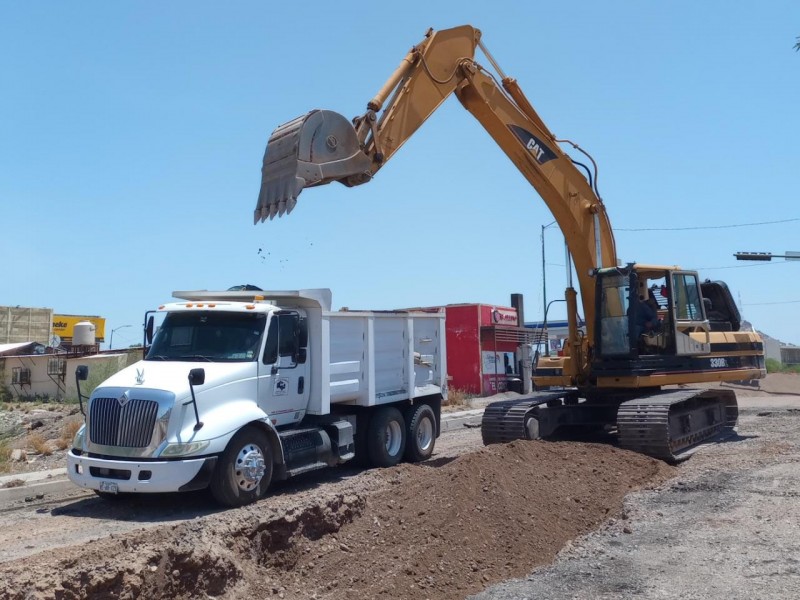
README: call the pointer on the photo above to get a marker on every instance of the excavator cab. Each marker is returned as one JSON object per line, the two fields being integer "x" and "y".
{"x": 646, "y": 311}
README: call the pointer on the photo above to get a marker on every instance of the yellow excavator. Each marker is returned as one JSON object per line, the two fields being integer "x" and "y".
{"x": 646, "y": 326}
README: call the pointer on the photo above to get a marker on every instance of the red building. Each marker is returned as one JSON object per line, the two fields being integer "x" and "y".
{"x": 482, "y": 348}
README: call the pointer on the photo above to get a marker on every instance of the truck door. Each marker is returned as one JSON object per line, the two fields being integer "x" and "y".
{"x": 282, "y": 370}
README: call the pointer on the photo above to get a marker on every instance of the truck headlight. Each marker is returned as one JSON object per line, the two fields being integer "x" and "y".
{"x": 80, "y": 436}
{"x": 182, "y": 449}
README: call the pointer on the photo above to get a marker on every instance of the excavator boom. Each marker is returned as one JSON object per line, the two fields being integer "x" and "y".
{"x": 322, "y": 146}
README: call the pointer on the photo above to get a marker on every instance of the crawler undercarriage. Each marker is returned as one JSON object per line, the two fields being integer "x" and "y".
{"x": 664, "y": 424}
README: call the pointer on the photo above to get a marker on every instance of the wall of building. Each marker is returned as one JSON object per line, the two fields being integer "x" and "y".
{"x": 19, "y": 324}
{"x": 52, "y": 376}
{"x": 772, "y": 348}
{"x": 790, "y": 355}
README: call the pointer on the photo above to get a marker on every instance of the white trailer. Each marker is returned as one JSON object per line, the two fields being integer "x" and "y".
{"x": 238, "y": 388}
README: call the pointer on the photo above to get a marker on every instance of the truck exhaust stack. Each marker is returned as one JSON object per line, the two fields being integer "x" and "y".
{"x": 316, "y": 148}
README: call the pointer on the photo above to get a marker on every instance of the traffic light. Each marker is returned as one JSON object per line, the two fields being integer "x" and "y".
{"x": 753, "y": 255}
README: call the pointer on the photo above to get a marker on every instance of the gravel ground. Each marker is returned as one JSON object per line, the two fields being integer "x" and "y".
{"x": 724, "y": 525}
{"x": 727, "y": 527}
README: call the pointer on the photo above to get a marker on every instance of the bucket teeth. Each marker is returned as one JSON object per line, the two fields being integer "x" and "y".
{"x": 314, "y": 149}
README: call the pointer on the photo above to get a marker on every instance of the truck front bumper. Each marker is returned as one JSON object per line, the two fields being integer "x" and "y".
{"x": 129, "y": 476}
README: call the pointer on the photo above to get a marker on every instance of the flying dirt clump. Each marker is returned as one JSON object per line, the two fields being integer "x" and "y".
{"x": 440, "y": 529}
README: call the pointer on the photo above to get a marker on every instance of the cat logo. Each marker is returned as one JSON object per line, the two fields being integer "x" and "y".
{"x": 540, "y": 151}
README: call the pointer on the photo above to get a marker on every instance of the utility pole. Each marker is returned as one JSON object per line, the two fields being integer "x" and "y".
{"x": 544, "y": 276}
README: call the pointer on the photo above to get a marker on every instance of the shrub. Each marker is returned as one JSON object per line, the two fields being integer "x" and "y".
{"x": 5, "y": 456}
{"x": 457, "y": 397}
{"x": 68, "y": 433}
{"x": 775, "y": 366}
{"x": 39, "y": 444}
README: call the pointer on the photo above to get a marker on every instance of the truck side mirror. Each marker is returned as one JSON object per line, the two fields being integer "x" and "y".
{"x": 197, "y": 377}
{"x": 303, "y": 332}
{"x": 149, "y": 330}
{"x": 81, "y": 374}
{"x": 301, "y": 356}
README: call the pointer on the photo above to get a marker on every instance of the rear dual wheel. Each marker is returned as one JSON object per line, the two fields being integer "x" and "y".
{"x": 390, "y": 435}
{"x": 386, "y": 437}
{"x": 420, "y": 432}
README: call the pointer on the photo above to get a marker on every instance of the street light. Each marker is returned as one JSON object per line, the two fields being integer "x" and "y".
{"x": 544, "y": 277}
{"x": 111, "y": 341}
{"x": 766, "y": 256}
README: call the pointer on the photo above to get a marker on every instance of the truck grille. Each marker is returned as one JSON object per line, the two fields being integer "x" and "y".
{"x": 128, "y": 426}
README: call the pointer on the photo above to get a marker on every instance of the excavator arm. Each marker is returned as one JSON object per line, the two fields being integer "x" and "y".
{"x": 614, "y": 375}
{"x": 322, "y": 146}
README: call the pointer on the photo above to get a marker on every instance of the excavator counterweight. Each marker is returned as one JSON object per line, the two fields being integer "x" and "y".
{"x": 317, "y": 148}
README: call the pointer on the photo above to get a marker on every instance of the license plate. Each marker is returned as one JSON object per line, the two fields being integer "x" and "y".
{"x": 109, "y": 486}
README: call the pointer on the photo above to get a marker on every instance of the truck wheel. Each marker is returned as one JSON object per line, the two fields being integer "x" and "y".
{"x": 244, "y": 470}
{"x": 386, "y": 437}
{"x": 420, "y": 433}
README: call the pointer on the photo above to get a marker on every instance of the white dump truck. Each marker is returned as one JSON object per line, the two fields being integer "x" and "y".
{"x": 239, "y": 388}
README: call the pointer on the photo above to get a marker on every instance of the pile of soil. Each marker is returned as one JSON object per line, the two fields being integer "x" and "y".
{"x": 435, "y": 530}
{"x": 774, "y": 384}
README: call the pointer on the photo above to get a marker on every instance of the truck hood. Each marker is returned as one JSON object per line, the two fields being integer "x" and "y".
{"x": 173, "y": 376}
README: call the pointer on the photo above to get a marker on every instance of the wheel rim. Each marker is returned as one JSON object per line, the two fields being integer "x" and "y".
{"x": 250, "y": 467}
{"x": 394, "y": 438}
{"x": 424, "y": 434}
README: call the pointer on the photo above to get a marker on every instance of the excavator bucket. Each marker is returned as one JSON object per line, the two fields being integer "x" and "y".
{"x": 314, "y": 149}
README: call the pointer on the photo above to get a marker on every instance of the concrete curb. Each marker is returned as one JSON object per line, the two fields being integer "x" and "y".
{"x": 39, "y": 483}
{"x": 459, "y": 420}
{"x": 34, "y": 486}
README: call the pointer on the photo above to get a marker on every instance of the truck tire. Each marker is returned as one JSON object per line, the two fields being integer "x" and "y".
{"x": 244, "y": 469}
{"x": 420, "y": 432}
{"x": 386, "y": 437}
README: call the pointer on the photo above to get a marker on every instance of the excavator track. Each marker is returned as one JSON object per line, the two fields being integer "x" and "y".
{"x": 669, "y": 424}
{"x": 666, "y": 424}
{"x": 504, "y": 421}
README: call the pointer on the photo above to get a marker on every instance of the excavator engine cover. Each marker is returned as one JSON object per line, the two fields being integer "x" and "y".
{"x": 314, "y": 149}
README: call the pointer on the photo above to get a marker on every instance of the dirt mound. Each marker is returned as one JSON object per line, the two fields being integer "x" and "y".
{"x": 438, "y": 530}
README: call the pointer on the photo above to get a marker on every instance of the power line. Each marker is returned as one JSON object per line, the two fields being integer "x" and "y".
{"x": 705, "y": 226}
{"x": 770, "y": 303}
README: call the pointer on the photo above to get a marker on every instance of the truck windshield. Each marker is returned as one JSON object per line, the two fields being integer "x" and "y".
{"x": 208, "y": 336}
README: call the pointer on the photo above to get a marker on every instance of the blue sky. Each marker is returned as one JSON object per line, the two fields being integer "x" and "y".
{"x": 132, "y": 135}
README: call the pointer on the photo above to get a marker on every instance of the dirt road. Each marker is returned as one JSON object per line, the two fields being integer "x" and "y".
{"x": 446, "y": 528}
{"x": 721, "y": 525}
{"x": 727, "y": 527}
